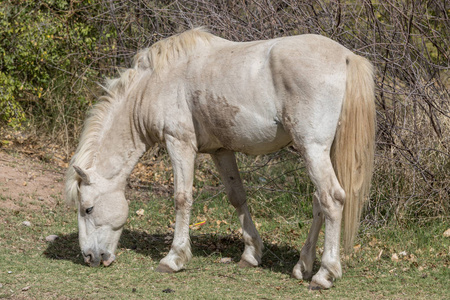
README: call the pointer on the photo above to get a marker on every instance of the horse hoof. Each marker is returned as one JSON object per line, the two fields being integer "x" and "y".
{"x": 315, "y": 286}
{"x": 245, "y": 264}
{"x": 301, "y": 276}
{"x": 297, "y": 274}
{"x": 163, "y": 268}
{"x": 307, "y": 275}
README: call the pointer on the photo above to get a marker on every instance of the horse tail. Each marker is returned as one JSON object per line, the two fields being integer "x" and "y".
{"x": 352, "y": 153}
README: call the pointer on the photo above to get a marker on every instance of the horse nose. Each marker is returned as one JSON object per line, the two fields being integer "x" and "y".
{"x": 92, "y": 258}
{"x": 108, "y": 258}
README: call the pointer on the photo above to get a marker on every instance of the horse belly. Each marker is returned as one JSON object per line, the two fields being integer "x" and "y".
{"x": 265, "y": 139}
{"x": 239, "y": 129}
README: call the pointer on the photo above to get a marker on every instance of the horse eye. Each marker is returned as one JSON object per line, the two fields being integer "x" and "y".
{"x": 89, "y": 210}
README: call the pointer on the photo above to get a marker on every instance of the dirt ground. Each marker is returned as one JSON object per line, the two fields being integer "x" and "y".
{"x": 27, "y": 181}
{"x": 32, "y": 173}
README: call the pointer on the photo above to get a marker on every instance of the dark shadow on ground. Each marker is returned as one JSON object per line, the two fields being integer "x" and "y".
{"x": 277, "y": 258}
{"x": 65, "y": 247}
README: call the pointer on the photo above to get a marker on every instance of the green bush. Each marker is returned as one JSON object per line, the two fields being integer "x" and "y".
{"x": 41, "y": 43}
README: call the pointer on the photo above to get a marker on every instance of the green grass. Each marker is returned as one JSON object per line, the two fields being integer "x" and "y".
{"x": 56, "y": 270}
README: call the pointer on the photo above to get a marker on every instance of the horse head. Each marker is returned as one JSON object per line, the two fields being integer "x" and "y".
{"x": 102, "y": 213}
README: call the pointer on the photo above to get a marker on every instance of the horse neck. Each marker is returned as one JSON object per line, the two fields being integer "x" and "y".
{"x": 120, "y": 145}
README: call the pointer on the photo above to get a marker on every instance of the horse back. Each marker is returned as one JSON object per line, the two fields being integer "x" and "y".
{"x": 242, "y": 96}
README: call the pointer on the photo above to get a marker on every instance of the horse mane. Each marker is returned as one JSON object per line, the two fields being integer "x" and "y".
{"x": 153, "y": 59}
{"x": 162, "y": 53}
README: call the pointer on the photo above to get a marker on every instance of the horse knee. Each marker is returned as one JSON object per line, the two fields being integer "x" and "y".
{"x": 183, "y": 201}
{"x": 332, "y": 202}
{"x": 237, "y": 198}
{"x": 339, "y": 195}
{"x": 237, "y": 202}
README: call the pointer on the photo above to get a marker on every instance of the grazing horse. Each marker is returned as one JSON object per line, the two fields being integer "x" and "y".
{"x": 196, "y": 92}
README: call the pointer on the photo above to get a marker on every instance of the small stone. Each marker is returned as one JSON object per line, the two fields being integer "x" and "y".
{"x": 26, "y": 223}
{"x": 140, "y": 212}
{"x": 26, "y": 288}
{"x": 41, "y": 198}
{"x": 51, "y": 238}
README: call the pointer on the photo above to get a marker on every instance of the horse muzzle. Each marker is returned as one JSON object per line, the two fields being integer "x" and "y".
{"x": 94, "y": 258}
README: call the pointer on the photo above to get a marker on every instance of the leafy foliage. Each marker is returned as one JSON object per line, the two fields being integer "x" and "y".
{"x": 42, "y": 43}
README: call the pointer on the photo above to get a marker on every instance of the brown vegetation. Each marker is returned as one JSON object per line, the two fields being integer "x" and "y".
{"x": 407, "y": 41}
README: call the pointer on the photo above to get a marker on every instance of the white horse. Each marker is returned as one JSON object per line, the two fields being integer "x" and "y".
{"x": 196, "y": 92}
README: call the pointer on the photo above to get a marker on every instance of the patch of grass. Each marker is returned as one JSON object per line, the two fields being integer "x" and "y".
{"x": 30, "y": 267}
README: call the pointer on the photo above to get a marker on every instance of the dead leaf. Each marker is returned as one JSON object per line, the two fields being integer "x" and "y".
{"x": 447, "y": 233}
{"x": 218, "y": 222}
{"x": 394, "y": 257}
{"x": 226, "y": 260}
{"x": 412, "y": 258}
{"x": 26, "y": 288}
{"x": 140, "y": 212}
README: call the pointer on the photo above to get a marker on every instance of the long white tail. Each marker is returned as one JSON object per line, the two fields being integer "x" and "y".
{"x": 353, "y": 149}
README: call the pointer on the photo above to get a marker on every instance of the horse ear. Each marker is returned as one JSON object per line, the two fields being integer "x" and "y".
{"x": 83, "y": 175}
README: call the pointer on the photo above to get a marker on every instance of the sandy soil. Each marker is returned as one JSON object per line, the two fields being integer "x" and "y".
{"x": 27, "y": 182}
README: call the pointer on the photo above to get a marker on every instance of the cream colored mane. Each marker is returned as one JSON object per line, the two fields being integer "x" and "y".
{"x": 162, "y": 53}
{"x": 159, "y": 56}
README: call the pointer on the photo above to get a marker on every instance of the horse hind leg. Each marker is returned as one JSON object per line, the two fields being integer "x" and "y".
{"x": 303, "y": 269}
{"x": 225, "y": 162}
{"x": 330, "y": 198}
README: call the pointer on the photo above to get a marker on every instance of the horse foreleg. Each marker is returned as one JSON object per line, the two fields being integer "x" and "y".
{"x": 303, "y": 269}
{"x": 182, "y": 157}
{"x": 226, "y": 164}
